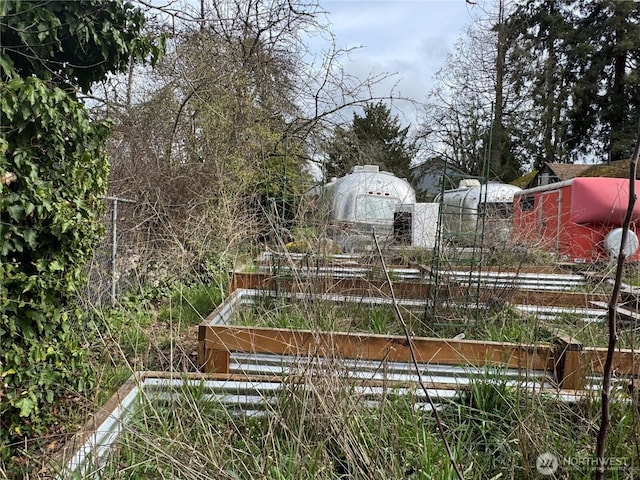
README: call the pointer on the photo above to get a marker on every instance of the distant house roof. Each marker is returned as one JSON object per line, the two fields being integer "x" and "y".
{"x": 617, "y": 169}
{"x": 558, "y": 172}
{"x": 566, "y": 171}
{"x": 525, "y": 179}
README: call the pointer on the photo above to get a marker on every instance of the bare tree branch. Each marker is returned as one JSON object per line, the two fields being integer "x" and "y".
{"x": 605, "y": 419}
{"x": 414, "y": 359}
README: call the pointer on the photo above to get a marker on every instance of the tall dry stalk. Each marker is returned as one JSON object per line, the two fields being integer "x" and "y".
{"x": 414, "y": 360}
{"x": 605, "y": 419}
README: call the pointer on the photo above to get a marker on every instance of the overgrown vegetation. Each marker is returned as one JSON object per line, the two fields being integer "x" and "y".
{"x": 494, "y": 426}
{"x": 54, "y": 169}
{"x": 214, "y": 155}
{"x": 501, "y": 323}
{"x": 322, "y": 430}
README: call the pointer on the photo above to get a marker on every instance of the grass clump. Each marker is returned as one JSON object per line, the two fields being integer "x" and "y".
{"x": 500, "y": 323}
{"x": 319, "y": 427}
{"x": 320, "y": 430}
{"x": 328, "y": 316}
{"x": 188, "y": 306}
{"x": 502, "y": 430}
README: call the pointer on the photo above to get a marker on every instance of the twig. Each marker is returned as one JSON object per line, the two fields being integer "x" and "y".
{"x": 436, "y": 415}
{"x": 605, "y": 419}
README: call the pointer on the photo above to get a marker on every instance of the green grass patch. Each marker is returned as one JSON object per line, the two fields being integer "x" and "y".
{"x": 188, "y": 306}
{"x": 495, "y": 431}
{"x": 148, "y": 332}
{"x": 505, "y": 324}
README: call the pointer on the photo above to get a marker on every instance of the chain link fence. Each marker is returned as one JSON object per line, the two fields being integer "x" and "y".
{"x": 114, "y": 263}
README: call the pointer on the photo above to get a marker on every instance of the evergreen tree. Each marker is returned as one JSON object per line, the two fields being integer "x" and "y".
{"x": 583, "y": 83}
{"x": 376, "y": 138}
{"x": 541, "y": 30}
{"x": 606, "y": 51}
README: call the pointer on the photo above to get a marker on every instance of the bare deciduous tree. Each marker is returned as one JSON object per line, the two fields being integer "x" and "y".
{"x": 475, "y": 113}
{"x": 216, "y": 143}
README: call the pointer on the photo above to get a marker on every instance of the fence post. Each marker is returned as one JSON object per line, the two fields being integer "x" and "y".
{"x": 114, "y": 242}
{"x": 114, "y": 249}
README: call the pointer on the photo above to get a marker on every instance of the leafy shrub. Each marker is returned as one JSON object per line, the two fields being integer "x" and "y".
{"x": 52, "y": 172}
{"x": 49, "y": 228}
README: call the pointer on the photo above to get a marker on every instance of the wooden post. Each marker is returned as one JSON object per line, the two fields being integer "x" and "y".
{"x": 570, "y": 367}
{"x": 213, "y": 357}
{"x": 217, "y": 361}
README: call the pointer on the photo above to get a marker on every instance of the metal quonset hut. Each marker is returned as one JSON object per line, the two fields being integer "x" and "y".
{"x": 462, "y": 209}
{"x": 579, "y": 219}
{"x": 363, "y": 200}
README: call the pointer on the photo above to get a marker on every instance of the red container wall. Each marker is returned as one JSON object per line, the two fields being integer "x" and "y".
{"x": 539, "y": 218}
{"x": 524, "y": 230}
{"x": 553, "y": 217}
{"x": 581, "y": 243}
{"x": 573, "y": 219}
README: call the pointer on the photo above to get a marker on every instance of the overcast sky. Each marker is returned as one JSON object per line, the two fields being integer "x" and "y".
{"x": 411, "y": 38}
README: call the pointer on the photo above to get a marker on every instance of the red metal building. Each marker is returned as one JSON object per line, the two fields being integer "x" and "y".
{"x": 578, "y": 219}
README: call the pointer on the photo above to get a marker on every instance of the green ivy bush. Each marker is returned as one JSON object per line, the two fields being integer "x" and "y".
{"x": 52, "y": 173}
{"x": 48, "y": 230}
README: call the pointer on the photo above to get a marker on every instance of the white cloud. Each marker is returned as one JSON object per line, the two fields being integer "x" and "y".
{"x": 411, "y": 38}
